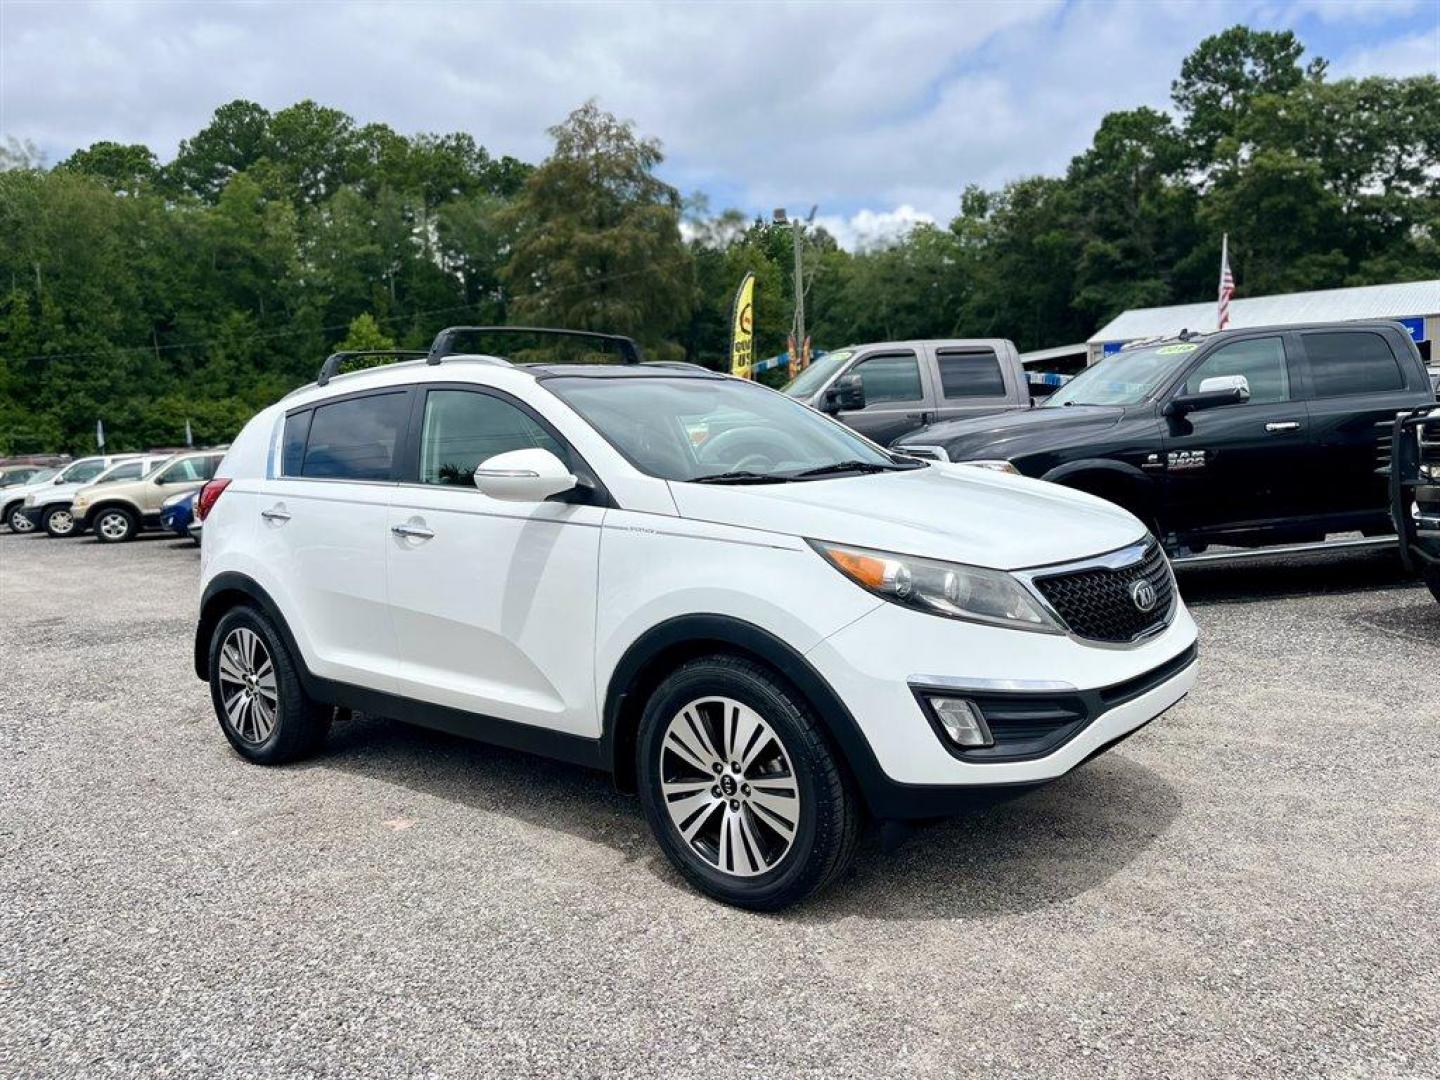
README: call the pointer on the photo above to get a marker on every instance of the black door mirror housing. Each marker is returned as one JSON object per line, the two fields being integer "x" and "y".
{"x": 1181, "y": 404}
{"x": 847, "y": 394}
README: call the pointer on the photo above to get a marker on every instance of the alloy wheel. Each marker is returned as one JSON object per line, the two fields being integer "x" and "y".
{"x": 113, "y": 525}
{"x": 729, "y": 787}
{"x": 19, "y": 522}
{"x": 60, "y": 522}
{"x": 247, "y": 685}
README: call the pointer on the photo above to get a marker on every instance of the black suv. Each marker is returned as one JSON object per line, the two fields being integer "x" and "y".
{"x": 1247, "y": 437}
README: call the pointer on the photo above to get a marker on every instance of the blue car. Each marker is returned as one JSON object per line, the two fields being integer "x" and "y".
{"x": 177, "y": 514}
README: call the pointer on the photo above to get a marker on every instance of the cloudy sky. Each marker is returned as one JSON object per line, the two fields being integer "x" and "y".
{"x": 880, "y": 113}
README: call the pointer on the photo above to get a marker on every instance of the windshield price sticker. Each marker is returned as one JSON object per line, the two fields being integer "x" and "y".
{"x": 1171, "y": 350}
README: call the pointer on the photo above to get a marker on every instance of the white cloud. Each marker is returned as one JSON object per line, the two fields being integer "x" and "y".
{"x": 869, "y": 229}
{"x": 851, "y": 106}
{"x": 1415, "y": 54}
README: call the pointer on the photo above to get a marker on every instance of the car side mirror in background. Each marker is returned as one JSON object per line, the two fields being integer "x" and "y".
{"x": 524, "y": 476}
{"x": 847, "y": 394}
{"x": 1214, "y": 392}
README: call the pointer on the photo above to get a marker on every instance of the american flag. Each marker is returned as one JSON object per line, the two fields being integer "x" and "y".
{"x": 1227, "y": 283}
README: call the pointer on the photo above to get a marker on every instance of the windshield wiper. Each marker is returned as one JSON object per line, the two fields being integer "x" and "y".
{"x": 740, "y": 476}
{"x": 852, "y": 466}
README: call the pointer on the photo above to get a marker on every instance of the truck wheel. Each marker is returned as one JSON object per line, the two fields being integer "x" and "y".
{"x": 740, "y": 786}
{"x": 114, "y": 526}
{"x": 59, "y": 522}
{"x": 1432, "y": 579}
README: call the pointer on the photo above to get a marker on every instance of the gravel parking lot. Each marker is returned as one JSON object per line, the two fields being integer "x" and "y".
{"x": 1250, "y": 886}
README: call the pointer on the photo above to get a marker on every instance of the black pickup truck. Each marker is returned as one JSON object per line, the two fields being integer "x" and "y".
{"x": 1244, "y": 437}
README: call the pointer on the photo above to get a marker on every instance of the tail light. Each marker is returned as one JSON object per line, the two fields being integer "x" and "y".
{"x": 209, "y": 496}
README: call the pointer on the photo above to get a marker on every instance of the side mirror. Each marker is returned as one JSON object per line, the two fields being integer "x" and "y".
{"x": 1226, "y": 382}
{"x": 1214, "y": 392}
{"x": 524, "y": 476}
{"x": 847, "y": 394}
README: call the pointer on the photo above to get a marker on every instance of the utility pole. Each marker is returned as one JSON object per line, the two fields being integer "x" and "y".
{"x": 797, "y": 232}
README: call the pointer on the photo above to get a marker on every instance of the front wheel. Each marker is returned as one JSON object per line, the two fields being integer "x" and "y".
{"x": 17, "y": 521}
{"x": 114, "y": 526}
{"x": 262, "y": 708}
{"x": 60, "y": 522}
{"x": 740, "y": 786}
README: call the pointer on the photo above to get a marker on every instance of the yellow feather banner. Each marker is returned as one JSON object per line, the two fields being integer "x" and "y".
{"x": 742, "y": 329}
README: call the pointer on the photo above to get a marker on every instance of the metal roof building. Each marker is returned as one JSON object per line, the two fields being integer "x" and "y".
{"x": 1416, "y": 304}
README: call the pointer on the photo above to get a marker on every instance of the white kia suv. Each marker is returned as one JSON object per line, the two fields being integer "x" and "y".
{"x": 760, "y": 621}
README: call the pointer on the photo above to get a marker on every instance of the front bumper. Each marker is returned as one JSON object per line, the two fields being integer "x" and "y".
{"x": 881, "y": 665}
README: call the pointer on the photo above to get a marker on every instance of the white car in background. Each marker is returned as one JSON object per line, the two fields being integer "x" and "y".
{"x": 71, "y": 478}
{"x": 12, "y": 499}
{"x": 759, "y": 620}
{"x": 49, "y": 507}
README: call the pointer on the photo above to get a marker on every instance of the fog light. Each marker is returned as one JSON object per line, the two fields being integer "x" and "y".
{"x": 962, "y": 721}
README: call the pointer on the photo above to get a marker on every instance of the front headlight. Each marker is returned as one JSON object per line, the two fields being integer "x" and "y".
{"x": 940, "y": 588}
{"x": 995, "y": 464}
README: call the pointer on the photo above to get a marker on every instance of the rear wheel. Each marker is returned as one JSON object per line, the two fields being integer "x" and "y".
{"x": 258, "y": 699}
{"x": 59, "y": 522}
{"x": 114, "y": 525}
{"x": 740, "y": 786}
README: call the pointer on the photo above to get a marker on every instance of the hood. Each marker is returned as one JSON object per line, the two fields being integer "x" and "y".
{"x": 956, "y": 512}
{"x": 53, "y": 492}
{"x": 1004, "y": 435}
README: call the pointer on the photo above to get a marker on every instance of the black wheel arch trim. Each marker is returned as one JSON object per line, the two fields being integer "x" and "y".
{"x": 666, "y": 644}
{"x": 93, "y": 512}
{"x": 1123, "y": 469}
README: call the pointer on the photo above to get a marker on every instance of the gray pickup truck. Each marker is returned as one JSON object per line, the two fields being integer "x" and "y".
{"x": 887, "y": 389}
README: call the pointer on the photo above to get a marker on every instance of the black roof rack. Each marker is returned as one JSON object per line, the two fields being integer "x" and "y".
{"x": 334, "y": 360}
{"x": 444, "y": 344}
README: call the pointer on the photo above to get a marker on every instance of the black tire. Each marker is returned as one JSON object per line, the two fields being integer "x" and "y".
{"x": 60, "y": 523}
{"x": 823, "y": 840}
{"x": 298, "y": 724}
{"x": 15, "y": 521}
{"x": 1431, "y": 573}
{"x": 114, "y": 525}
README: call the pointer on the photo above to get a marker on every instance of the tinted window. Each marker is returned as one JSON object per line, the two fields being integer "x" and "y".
{"x": 895, "y": 377}
{"x": 82, "y": 471}
{"x": 1260, "y": 360}
{"x": 356, "y": 439}
{"x": 297, "y": 430}
{"x": 130, "y": 471}
{"x": 970, "y": 373}
{"x": 1351, "y": 363}
{"x": 463, "y": 428}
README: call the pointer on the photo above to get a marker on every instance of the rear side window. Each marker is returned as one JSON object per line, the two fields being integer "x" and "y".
{"x": 354, "y": 439}
{"x": 1353, "y": 362}
{"x": 297, "y": 430}
{"x": 966, "y": 373}
{"x": 188, "y": 470}
{"x": 892, "y": 377}
{"x": 464, "y": 428}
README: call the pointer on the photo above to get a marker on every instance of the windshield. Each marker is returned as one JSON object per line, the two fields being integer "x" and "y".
{"x": 809, "y": 381}
{"x": 1124, "y": 378}
{"x": 717, "y": 430}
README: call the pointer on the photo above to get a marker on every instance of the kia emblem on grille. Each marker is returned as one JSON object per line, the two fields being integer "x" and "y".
{"x": 1144, "y": 595}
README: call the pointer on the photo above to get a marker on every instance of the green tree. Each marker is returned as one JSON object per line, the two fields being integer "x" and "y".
{"x": 597, "y": 235}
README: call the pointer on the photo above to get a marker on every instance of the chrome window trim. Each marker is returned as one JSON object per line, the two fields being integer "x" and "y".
{"x": 975, "y": 685}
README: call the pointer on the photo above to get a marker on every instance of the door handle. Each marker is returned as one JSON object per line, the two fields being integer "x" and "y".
{"x": 1279, "y": 427}
{"x": 923, "y": 417}
{"x": 412, "y": 532}
{"x": 275, "y": 513}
